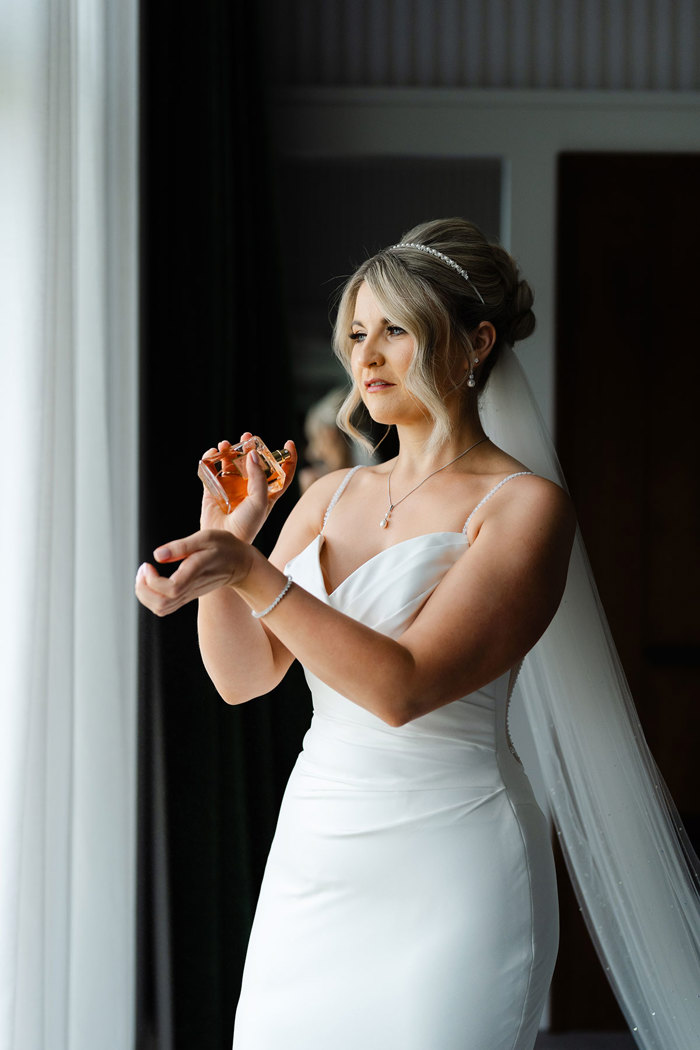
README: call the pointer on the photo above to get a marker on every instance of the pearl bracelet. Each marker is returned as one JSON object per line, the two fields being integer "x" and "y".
{"x": 278, "y": 599}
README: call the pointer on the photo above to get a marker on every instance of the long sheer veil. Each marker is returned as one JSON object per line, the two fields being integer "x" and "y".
{"x": 633, "y": 869}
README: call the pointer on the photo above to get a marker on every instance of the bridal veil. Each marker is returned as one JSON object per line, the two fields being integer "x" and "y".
{"x": 629, "y": 858}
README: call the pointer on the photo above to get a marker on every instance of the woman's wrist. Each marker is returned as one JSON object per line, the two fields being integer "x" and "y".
{"x": 261, "y": 583}
{"x": 245, "y": 561}
{"x": 246, "y": 533}
{"x": 275, "y": 601}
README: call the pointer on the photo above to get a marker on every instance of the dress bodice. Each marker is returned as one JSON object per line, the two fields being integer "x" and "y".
{"x": 386, "y": 593}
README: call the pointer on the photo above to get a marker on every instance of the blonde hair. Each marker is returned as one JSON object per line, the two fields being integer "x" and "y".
{"x": 439, "y": 308}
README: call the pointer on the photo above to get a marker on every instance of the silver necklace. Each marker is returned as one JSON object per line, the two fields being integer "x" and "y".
{"x": 385, "y": 520}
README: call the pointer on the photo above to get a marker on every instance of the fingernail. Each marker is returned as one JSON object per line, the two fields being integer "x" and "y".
{"x": 161, "y": 553}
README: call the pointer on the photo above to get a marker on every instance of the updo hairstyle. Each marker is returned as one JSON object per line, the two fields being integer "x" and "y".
{"x": 439, "y": 308}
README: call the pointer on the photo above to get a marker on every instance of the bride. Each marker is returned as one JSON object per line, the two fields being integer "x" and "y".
{"x": 409, "y": 898}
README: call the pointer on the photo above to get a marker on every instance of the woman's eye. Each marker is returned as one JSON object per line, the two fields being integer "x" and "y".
{"x": 394, "y": 329}
{"x": 357, "y": 336}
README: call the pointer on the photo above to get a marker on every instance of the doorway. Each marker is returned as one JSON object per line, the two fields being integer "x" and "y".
{"x": 628, "y": 383}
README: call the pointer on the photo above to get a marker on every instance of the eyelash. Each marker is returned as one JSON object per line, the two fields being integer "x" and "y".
{"x": 392, "y": 329}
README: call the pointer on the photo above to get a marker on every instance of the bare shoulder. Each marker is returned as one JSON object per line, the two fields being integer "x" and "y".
{"x": 315, "y": 500}
{"x": 503, "y": 591}
{"x": 527, "y": 506}
{"x": 306, "y": 518}
{"x": 517, "y": 560}
{"x": 534, "y": 492}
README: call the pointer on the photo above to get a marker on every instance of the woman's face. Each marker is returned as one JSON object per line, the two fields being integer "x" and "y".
{"x": 381, "y": 357}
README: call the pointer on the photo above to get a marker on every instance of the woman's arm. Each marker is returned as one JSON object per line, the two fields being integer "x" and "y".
{"x": 482, "y": 618}
{"x": 243, "y": 658}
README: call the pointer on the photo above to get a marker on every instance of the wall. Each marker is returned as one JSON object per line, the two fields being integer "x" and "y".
{"x": 551, "y": 44}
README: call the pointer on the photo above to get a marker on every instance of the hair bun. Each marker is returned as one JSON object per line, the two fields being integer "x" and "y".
{"x": 513, "y": 298}
{"x": 523, "y": 319}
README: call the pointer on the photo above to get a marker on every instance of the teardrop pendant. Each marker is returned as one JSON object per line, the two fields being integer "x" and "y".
{"x": 385, "y": 520}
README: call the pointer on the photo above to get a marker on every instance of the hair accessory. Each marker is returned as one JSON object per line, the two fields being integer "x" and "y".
{"x": 445, "y": 258}
{"x": 278, "y": 599}
{"x": 385, "y": 520}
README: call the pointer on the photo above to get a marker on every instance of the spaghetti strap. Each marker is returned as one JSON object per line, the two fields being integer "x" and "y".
{"x": 339, "y": 492}
{"x": 494, "y": 490}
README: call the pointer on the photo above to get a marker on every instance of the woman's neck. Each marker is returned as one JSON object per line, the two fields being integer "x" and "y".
{"x": 415, "y": 458}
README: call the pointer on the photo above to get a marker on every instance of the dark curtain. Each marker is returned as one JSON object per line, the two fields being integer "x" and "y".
{"x": 212, "y": 364}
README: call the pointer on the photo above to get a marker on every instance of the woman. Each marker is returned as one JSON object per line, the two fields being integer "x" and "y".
{"x": 327, "y": 448}
{"x": 409, "y": 898}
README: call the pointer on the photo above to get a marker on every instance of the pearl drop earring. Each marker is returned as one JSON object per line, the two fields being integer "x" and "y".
{"x": 471, "y": 381}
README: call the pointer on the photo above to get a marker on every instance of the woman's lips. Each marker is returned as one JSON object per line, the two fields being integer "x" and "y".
{"x": 377, "y": 384}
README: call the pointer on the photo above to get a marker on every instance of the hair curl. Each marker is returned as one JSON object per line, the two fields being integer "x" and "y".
{"x": 439, "y": 308}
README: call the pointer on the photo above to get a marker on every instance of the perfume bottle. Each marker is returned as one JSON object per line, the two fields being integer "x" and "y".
{"x": 224, "y": 472}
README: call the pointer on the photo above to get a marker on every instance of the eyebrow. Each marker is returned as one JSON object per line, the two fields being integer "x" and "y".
{"x": 384, "y": 320}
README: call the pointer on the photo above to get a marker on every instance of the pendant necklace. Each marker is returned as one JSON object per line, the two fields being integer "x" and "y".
{"x": 385, "y": 520}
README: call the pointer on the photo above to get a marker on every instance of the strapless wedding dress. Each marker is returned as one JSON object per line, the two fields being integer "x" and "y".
{"x": 409, "y": 900}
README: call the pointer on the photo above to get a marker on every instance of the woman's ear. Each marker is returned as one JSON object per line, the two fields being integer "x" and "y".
{"x": 481, "y": 343}
{"x": 483, "y": 339}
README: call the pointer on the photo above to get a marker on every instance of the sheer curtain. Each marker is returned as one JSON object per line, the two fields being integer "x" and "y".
{"x": 68, "y": 526}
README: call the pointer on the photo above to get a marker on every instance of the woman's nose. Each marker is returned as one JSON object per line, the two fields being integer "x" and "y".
{"x": 369, "y": 351}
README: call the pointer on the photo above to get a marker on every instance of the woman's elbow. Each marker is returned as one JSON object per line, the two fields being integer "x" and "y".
{"x": 235, "y": 693}
{"x": 233, "y": 697}
{"x": 398, "y": 712}
{"x": 395, "y": 719}
{"x": 403, "y": 710}
{"x": 235, "y": 689}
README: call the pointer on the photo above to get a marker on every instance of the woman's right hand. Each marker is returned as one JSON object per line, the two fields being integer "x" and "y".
{"x": 247, "y": 518}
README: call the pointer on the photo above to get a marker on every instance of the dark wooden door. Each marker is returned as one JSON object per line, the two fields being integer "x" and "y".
{"x": 628, "y": 422}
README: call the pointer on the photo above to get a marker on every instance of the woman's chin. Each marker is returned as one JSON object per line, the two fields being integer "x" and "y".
{"x": 377, "y": 415}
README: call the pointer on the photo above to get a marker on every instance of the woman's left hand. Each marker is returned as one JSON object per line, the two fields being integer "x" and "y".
{"x": 211, "y": 558}
{"x": 248, "y": 516}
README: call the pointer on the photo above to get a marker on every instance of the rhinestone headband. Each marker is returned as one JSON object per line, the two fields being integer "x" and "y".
{"x": 445, "y": 258}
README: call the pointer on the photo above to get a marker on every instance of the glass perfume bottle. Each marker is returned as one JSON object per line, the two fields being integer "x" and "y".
{"x": 225, "y": 476}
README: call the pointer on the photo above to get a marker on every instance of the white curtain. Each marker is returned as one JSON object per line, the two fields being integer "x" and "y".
{"x": 68, "y": 523}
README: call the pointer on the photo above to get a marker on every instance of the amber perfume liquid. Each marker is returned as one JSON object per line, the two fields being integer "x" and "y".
{"x": 225, "y": 476}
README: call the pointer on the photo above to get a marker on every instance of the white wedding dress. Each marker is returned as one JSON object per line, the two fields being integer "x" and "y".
{"x": 409, "y": 900}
